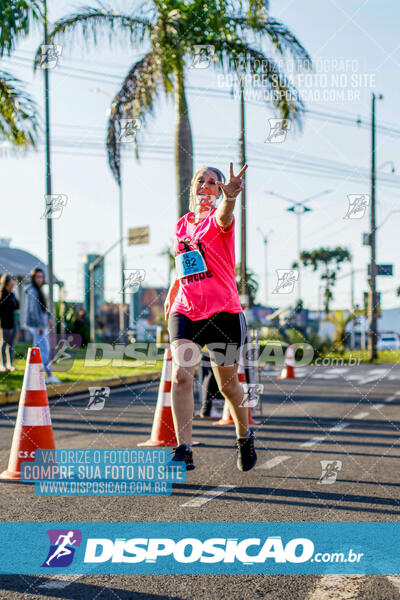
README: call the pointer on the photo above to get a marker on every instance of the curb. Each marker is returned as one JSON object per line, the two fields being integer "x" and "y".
{"x": 69, "y": 389}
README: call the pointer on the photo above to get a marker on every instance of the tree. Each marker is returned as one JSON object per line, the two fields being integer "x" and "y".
{"x": 171, "y": 29}
{"x": 340, "y": 319}
{"x": 252, "y": 284}
{"x": 171, "y": 260}
{"x": 18, "y": 111}
{"x": 329, "y": 260}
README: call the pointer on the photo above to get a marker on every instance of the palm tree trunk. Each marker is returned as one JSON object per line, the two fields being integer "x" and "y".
{"x": 183, "y": 146}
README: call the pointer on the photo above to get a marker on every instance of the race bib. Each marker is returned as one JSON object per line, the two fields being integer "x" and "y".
{"x": 189, "y": 263}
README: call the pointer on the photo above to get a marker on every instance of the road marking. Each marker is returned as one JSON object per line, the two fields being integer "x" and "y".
{"x": 71, "y": 397}
{"x": 61, "y": 582}
{"x": 332, "y": 587}
{"x": 389, "y": 399}
{"x": 313, "y": 441}
{"x": 377, "y": 406}
{"x": 339, "y": 426}
{"x": 208, "y": 495}
{"x": 320, "y": 438}
{"x": 361, "y": 415}
{"x": 395, "y": 580}
{"x": 270, "y": 464}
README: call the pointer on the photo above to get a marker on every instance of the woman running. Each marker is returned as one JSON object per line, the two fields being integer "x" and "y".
{"x": 203, "y": 308}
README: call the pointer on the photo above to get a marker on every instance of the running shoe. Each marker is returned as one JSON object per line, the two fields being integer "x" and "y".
{"x": 183, "y": 454}
{"x": 247, "y": 456}
{"x": 53, "y": 379}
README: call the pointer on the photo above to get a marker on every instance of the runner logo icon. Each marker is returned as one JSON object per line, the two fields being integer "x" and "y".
{"x": 63, "y": 543}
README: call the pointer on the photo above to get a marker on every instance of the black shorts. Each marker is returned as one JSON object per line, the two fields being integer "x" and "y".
{"x": 224, "y": 334}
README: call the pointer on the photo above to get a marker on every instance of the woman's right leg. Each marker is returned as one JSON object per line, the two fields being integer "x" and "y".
{"x": 185, "y": 356}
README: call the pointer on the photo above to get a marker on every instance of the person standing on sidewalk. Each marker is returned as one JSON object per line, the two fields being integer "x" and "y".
{"x": 37, "y": 319}
{"x": 8, "y": 327}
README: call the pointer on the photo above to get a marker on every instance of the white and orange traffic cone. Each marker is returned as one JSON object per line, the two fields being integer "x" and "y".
{"x": 163, "y": 431}
{"x": 288, "y": 371}
{"x": 33, "y": 429}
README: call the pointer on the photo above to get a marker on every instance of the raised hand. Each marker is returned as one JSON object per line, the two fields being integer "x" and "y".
{"x": 235, "y": 184}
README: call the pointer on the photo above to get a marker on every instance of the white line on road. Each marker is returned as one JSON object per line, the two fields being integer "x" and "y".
{"x": 333, "y": 587}
{"x": 317, "y": 439}
{"x": 395, "y": 580}
{"x": 377, "y": 406}
{"x": 361, "y": 415}
{"x": 312, "y": 442}
{"x": 208, "y": 495}
{"x": 389, "y": 399}
{"x": 339, "y": 427}
{"x": 61, "y": 582}
{"x": 274, "y": 462}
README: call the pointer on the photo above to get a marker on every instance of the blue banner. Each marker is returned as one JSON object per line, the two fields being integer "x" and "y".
{"x": 208, "y": 548}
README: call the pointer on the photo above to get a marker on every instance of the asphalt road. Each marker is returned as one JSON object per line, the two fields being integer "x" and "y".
{"x": 341, "y": 414}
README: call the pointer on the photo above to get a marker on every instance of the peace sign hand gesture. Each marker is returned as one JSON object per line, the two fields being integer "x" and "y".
{"x": 235, "y": 184}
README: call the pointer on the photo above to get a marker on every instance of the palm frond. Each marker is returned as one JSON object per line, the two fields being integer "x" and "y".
{"x": 18, "y": 120}
{"x": 284, "y": 95}
{"x": 283, "y": 40}
{"x": 96, "y": 23}
{"x": 135, "y": 100}
{"x": 16, "y": 17}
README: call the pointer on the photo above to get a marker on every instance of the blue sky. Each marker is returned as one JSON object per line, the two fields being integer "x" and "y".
{"x": 352, "y": 38}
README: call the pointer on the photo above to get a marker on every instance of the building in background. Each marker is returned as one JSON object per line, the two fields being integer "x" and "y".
{"x": 146, "y": 312}
{"x": 98, "y": 283}
{"x": 19, "y": 263}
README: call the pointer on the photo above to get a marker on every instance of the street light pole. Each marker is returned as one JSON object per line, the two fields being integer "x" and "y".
{"x": 372, "y": 331}
{"x": 92, "y": 267}
{"x": 299, "y": 208}
{"x": 121, "y": 254}
{"x": 242, "y": 145}
{"x": 48, "y": 213}
{"x": 299, "y": 213}
{"x": 97, "y": 90}
{"x": 265, "y": 240}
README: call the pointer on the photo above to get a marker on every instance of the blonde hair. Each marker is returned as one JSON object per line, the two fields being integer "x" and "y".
{"x": 192, "y": 193}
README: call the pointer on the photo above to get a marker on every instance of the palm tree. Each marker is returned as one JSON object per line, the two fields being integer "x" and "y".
{"x": 18, "y": 120}
{"x": 252, "y": 284}
{"x": 340, "y": 319}
{"x": 329, "y": 261}
{"x": 170, "y": 29}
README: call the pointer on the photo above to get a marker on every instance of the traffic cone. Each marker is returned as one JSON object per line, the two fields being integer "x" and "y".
{"x": 163, "y": 431}
{"x": 33, "y": 428}
{"x": 288, "y": 369}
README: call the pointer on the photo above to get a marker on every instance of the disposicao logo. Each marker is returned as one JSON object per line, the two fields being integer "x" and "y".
{"x": 190, "y": 550}
{"x": 63, "y": 543}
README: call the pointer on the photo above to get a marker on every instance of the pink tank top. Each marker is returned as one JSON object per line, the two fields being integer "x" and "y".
{"x": 203, "y": 294}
